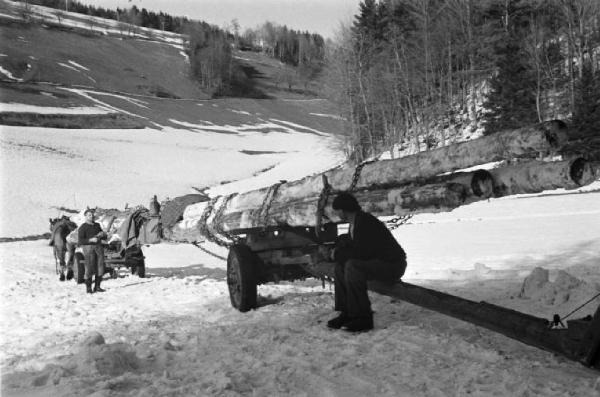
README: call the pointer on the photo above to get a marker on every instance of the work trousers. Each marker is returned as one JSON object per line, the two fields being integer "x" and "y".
{"x": 94, "y": 260}
{"x": 351, "y": 278}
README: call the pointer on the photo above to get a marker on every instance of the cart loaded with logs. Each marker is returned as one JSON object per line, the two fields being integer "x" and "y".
{"x": 284, "y": 231}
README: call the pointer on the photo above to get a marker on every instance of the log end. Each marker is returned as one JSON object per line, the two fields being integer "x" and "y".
{"x": 582, "y": 172}
{"x": 555, "y": 132}
{"x": 482, "y": 184}
{"x": 596, "y": 169}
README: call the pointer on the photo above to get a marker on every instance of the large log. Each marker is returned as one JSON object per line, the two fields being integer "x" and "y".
{"x": 391, "y": 187}
{"x": 302, "y": 212}
{"x": 537, "y": 176}
{"x": 527, "y": 142}
{"x": 442, "y": 193}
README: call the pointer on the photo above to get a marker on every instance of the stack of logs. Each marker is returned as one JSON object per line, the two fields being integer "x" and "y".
{"x": 424, "y": 182}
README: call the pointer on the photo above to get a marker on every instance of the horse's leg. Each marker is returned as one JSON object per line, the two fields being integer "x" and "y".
{"x": 60, "y": 249}
{"x": 70, "y": 259}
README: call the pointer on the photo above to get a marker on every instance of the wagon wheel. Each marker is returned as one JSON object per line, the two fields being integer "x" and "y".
{"x": 134, "y": 259}
{"x": 241, "y": 277}
{"x": 79, "y": 267}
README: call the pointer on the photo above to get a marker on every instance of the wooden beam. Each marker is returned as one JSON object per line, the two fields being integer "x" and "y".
{"x": 525, "y": 328}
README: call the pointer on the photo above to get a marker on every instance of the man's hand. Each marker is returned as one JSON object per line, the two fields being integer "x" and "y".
{"x": 93, "y": 240}
{"x": 326, "y": 252}
{"x": 332, "y": 254}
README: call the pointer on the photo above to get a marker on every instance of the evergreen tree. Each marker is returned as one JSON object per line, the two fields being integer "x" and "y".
{"x": 511, "y": 102}
{"x": 586, "y": 118}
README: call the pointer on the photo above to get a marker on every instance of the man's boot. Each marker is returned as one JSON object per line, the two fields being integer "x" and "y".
{"x": 70, "y": 274}
{"x": 339, "y": 321}
{"x": 62, "y": 276}
{"x": 97, "y": 281}
{"x": 88, "y": 285}
{"x": 359, "y": 324}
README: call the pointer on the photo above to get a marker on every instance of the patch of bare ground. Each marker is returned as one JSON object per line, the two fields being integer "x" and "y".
{"x": 110, "y": 120}
{"x": 44, "y": 236}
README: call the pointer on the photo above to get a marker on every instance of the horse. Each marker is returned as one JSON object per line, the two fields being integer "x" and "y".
{"x": 60, "y": 228}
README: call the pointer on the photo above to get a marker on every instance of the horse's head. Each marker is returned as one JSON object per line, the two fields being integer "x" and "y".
{"x": 53, "y": 222}
{"x": 61, "y": 222}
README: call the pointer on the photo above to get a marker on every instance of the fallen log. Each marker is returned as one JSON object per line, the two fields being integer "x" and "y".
{"x": 225, "y": 214}
{"x": 527, "y": 142}
{"x": 302, "y": 212}
{"x": 444, "y": 194}
{"x": 392, "y": 187}
{"x": 537, "y": 176}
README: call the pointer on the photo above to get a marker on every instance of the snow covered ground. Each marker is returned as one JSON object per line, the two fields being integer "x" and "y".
{"x": 175, "y": 333}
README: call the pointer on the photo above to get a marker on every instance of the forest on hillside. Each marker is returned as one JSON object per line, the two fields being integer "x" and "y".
{"x": 210, "y": 47}
{"x": 212, "y": 63}
{"x": 406, "y": 68}
{"x": 132, "y": 15}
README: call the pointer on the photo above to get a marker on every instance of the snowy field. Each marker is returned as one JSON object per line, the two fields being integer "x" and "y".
{"x": 175, "y": 333}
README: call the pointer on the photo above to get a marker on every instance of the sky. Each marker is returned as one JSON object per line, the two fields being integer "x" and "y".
{"x": 319, "y": 16}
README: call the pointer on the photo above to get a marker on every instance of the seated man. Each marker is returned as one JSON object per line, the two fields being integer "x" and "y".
{"x": 368, "y": 252}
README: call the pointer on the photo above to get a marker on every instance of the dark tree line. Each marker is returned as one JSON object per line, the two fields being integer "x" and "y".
{"x": 133, "y": 15}
{"x": 405, "y": 66}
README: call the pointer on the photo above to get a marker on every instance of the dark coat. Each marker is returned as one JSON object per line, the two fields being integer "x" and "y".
{"x": 371, "y": 240}
{"x": 87, "y": 231}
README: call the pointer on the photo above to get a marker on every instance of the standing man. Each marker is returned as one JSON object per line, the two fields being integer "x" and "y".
{"x": 368, "y": 252}
{"x": 90, "y": 236}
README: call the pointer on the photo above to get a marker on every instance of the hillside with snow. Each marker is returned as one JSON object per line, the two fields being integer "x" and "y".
{"x": 175, "y": 333}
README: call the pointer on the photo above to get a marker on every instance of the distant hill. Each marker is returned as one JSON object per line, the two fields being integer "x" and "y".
{"x": 52, "y": 58}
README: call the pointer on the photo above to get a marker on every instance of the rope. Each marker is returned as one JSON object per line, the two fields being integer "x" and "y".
{"x": 195, "y": 244}
{"x": 203, "y": 224}
{"x": 263, "y": 213}
{"x": 580, "y": 307}
{"x": 218, "y": 224}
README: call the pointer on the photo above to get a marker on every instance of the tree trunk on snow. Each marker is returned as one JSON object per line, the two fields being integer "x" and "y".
{"x": 537, "y": 176}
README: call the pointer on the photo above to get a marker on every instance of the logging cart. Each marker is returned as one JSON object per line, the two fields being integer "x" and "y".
{"x": 283, "y": 232}
{"x": 292, "y": 253}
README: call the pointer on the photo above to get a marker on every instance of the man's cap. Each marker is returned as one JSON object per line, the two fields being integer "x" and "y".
{"x": 88, "y": 210}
